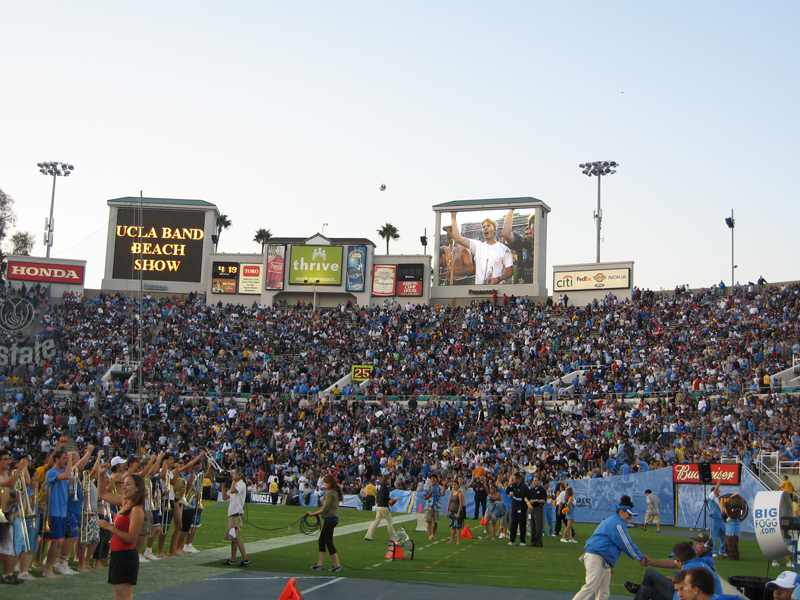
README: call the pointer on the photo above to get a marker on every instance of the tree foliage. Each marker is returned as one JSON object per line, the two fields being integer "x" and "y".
{"x": 389, "y": 232}
{"x": 223, "y": 222}
{"x": 263, "y": 236}
{"x": 8, "y": 218}
{"x": 22, "y": 243}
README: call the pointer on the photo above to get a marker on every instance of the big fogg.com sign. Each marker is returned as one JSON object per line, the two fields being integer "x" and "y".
{"x": 168, "y": 246}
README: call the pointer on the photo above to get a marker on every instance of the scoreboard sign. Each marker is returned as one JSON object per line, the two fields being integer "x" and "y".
{"x": 167, "y": 245}
{"x": 361, "y": 373}
{"x": 224, "y": 276}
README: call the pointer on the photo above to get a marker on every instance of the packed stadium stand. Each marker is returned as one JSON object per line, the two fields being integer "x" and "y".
{"x": 578, "y": 391}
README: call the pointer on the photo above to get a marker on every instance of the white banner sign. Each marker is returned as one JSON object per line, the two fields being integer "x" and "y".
{"x": 598, "y": 279}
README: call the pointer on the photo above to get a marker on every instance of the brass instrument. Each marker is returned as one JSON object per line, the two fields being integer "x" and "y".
{"x": 24, "y": 510}
{"x": 155, "y": 497}
{"x": 73, "y": 483}
{"x": 180, "y": 491}
{"x": 2, "y": 515}
{"x": 197, "y": 494}
{"x": 44, "y": 507}
{"x": 165, "y": 507}
{"x": 86, "y": 509}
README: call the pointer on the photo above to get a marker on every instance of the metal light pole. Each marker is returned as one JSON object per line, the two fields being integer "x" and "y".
{"x": 731, "y": 223}
{"x": 599, "y": 168}
{"x": 56, "y": 169}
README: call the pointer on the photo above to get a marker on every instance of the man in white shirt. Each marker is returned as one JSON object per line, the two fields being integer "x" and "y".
{"x": 236, "y": 497}
{"x": 494, "y": 262}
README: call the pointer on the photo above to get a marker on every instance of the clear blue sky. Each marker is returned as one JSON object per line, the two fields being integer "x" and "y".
{"x": 288, "y": 115}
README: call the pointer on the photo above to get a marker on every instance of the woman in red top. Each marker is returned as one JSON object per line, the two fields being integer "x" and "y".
{"x": 123, "y": 567}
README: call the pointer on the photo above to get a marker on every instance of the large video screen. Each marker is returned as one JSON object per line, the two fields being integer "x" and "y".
{"x": 171, "y": 245}
{"x": 493, "y": 247}
{"x": 316, "y": 265}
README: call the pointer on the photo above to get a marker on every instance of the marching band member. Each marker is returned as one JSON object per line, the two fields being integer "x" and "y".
{"x": 10, "y": 528}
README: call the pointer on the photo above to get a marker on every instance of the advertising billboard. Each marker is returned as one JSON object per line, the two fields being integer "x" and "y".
{"x": 171, "y": 246}
{"x": 604, "y": 279}
{"x": 492, "y": 247}
{"x": 383, "y": 278}
{"x": 356, "y": 268}
{"x": 30, "y": 271}
{"x": 276, "y": 262}
{"x": 409, "y": 279}
{"x": 319, "y": 265}
{"x": 251, "y": 278}
{"x": 728, "y": 474}
{"x": 224, "y": 276}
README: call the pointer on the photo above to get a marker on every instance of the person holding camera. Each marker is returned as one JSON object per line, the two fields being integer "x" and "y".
{"x": 236, "y": 497}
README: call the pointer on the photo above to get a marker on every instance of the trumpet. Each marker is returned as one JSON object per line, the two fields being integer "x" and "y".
{"x": 214, "y": 464}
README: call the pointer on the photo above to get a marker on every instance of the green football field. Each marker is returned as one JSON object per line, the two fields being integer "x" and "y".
{"x": 276, "y": 545}
{"x": 478, "y": 561}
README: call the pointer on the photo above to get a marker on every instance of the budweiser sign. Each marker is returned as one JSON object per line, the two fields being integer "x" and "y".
{"x": 44, "y": 272}
{"x": 728, "y": 474}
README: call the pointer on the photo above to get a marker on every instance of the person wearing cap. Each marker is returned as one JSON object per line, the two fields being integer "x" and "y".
{"x": 784, "y": 586}
{"x": 702, "y": 545}
{"x": 657, "y": 586}
{"x": 651, "y": 515}
{"x": 603, "y": 549}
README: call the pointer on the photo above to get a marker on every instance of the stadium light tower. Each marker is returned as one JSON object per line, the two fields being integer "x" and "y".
{"x": 731, "y": 223}
{"x": 56, "y": 169}
{"x": 599, "y": 168}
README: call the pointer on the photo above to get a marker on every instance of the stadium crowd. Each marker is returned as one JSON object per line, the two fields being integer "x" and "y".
{"x": 662, "y": 378}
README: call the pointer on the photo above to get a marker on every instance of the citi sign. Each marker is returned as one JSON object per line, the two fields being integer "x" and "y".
{"x": 44, "y": 272}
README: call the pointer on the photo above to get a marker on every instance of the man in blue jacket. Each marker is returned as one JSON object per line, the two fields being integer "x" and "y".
{"x": 603, "y": 549}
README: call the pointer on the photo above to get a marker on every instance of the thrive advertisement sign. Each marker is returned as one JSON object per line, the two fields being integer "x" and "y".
{"x": 316, "y": 265}
{"x": 166, "y": 246}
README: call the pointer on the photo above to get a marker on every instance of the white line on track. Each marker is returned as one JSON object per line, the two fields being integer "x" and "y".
{"x": 322, "y": 585}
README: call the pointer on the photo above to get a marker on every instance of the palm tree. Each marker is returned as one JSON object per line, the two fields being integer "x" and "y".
{"x": 389, "y": 232}
{"x": 223, "y": 222}
{"x": 263, "y": 236}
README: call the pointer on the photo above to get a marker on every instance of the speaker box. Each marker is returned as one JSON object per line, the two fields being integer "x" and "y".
{"x": 705, "y": 472}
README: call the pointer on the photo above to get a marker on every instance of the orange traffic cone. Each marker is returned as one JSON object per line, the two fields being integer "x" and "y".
{"x": 291, "y": 591}
{"x": 466, "y": 534}
{"x": 395, "y": 552}
{"x": 483, "y": 520}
